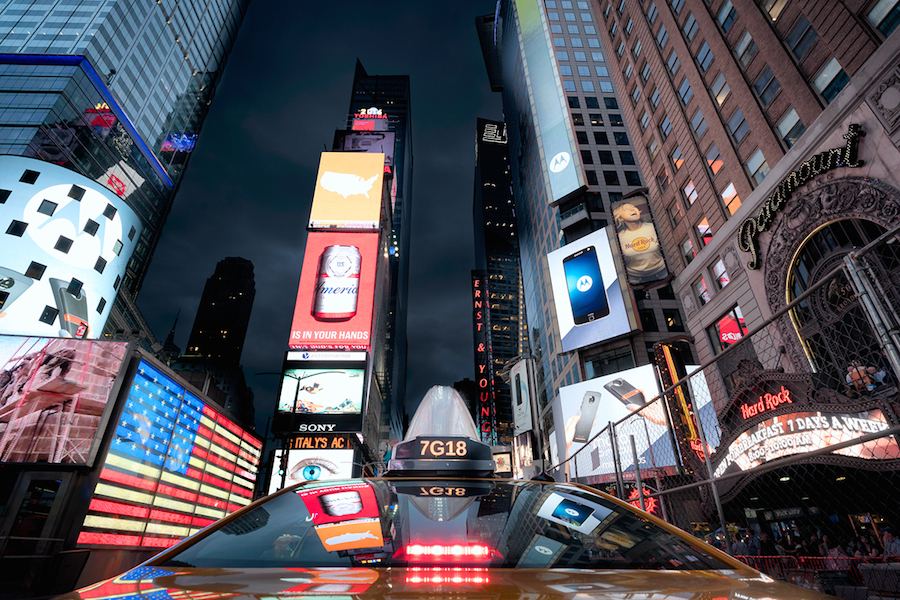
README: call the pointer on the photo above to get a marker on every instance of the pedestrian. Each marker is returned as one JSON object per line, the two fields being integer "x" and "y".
{"x": 739, "y": 547}
{"x": 767, "y": 545}
{"x": 753, "y": 544}
{"x": 891, "y": 544}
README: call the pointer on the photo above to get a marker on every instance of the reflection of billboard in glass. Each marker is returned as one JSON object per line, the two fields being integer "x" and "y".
{"x": 348, "y": 191}
{"x": 322, "y": 391}
{"x": 175, "y": 465}
{"x": 53, "y": 393}
{"x": 335, "y": 296}
{"x": 312, "y": 465}
{"x": 521, "y": 398}
{"x": 65, "y": 243}
{"x": 639, "y": 242}
{"x": 590, "y": 300}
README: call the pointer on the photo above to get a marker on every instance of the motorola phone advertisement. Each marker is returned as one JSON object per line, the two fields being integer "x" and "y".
{"x": 335, "y": 297}
{"x": 348, "y": 191}
{"x": 639, "y": 242}
{"x": 589, "y": 295}
{"x": 67, "y": 241}
{"x": 304, "y": 466}
{"x": 521, "y": 397}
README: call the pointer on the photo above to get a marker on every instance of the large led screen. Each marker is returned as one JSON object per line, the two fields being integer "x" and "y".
{"x": 64, "y": 244}
{"x": 175, "y": 464}
{"x": 323, "y": 383}
{"x": 521, "y": 397}
{"x": 348, "y": 191}
{"x": 312, "y": 465}
{"x": 639, "y": 242}
{"x": 592, "y": 305}
{"x": 378, "y": 142}
{"x": 335, "y": 297}
{"x": 53, "y": 395}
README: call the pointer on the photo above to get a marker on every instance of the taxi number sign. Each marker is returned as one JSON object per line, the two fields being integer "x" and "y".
{"x": 436, "y": 448}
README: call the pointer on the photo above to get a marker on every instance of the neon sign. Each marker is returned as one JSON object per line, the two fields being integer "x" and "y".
{"x": 767, "y": 402}
{"x": 485, "y": 416}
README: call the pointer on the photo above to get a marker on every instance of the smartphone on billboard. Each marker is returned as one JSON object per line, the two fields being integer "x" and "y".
{"x": 12, "y": 285}
{"x": 589, "y": 405}
{"x": 627, "y": 394}
{"x": 518, "y": 389}
{"x": 587, "y": 293}
{"x": 73, "y": 309}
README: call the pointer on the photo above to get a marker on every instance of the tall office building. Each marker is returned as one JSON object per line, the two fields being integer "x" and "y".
{"x": 573, "y": 161}
{"x": 382, "y": 102}
{"x": 501, "y": 333}
{"x": 103, "y": 102}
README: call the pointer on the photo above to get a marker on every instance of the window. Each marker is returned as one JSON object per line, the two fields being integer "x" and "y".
{"x": 766, "y": 86}
{"x": 578, "y": 119}
{"x": 591, "y": 102}
{"x": 685, "y": 91}
{"x": 611, "y": 177}
{"x": 645, "y": 121}
{"x": 555, "y": 28}
{"x": 611, "y": 103}
{"x": 662, "y": 37}
{"x": 635, "y": 94}
{"x": 616, "y": 120}
{"x": 652, "y": 13}
{"x": 730, "y": 199}
{"x": 590, "y": 30}
{"x": 690, "y": 27}
{"x": 606, "y": 87}
{"x": 568, "y": 85}
{"x": 677, "y": 5}
{"x": 701, "y": 292}
{"x": 580, "y": 56}
{"x": 573, "y": 29}
{"x": 581, "y": 136}
{"x": 585, "y": 17}
{"x": 720, "y": 274}
{"x": 606, "y": 157}
{"x": 601, "y": 71}
{"x": 677, "y": 158}
{"x": 757, "y": 166}
{"x": 831, "y": 80}
{"x": 559, "y": 42}
{"x": 791, "y": 127}
{"x": 672, "y": 317}
{"x": 662, "y": 179}
{"x": 704, "y": 232}
{"x": 774, "y": 7}
{"x": 626, "y": 157}
{"x": 687, "y": 251}
{"x": 569, "y": 16}
{"x": 591, "y": 177}
{"x": 629, "y": 27}
{"x": 885, "y": 16}
{"x": 582, "y": 5}
{"x": 745, "y": 49}
{"x": 609, "y": 362}
{"x": 652, "y": 148}
{"x": 690, "y": 192}
{"x": 698, "y": 124}
{"x": 673, "y": 63}
{"x": 654, "y": 97}
{"x": 586, "y": 157}
{"x": 621, "y": 6}
{"x": 720, "y": 89}
{"x": 632, "y": 178}
{"x": 675, "y": 213}
{"x": 576, "y": 42}
{"x": 801, "y": 37}
{"x": 566, "y": 71}
{"x": 636, "y": 50}
{"x": 727, "y": 15}
{"x": 665, "y": 127}
{"x": 704, "y": 57}
{"x": 648, "y": 319}
{"x": 737, "y": 125}
{"x": 727, "y": 330}
{"x": 573, "y": 100}
{"x": 600, "y": 138}
{"x": 627, "y": 71}
{"x": 713, "y": 160}
{"x": 621, "y": 138}
{"x": 553, "y": 16}
{"x": 587, "y": 86}
{"x": 645, "y": 72}
{"x": 562, "y": 55}
{"x": 621, "y": 49}
{"x": 597, "y": 57}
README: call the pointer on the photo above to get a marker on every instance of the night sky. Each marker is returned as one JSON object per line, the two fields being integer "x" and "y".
{"x": 249, "y": 184}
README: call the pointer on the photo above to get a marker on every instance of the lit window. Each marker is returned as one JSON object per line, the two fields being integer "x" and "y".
{"x": 673, "y": 319}
{"x": 791, "y": 127}
{"x": 690, "y": 27}
{"x": 704, "y": 56}
{"x": 616, "y": 120}
{"x": 677, "y": 158}
{"x": 774, "y": 7}
{"x": 690, "y": 192}
{"x": 757, "y": 166}
{"x": 720, "y": 89}
{"x": 831, "y": 79}
{"x": 727, "y": 330}
{"x": 727, "y": 15}
{"x": 673, "y": 63}
{"x": 698, "y": 124}
{"x": 745, "y": 49}
{"x": 685, "y": 91}
{"x": 721, "y": 274}
{"x": 766, "y": 86}
{"x": 596, "y": 119}
{"x": 801, "y": 37}
{"x": 652, "y": 148}
{"x": 704, "y": 232}
{"x": 701, "y": 291}
{"x": 687, "y": 251}
{"x": 713, "y": 160}
{"x": 665, "y": 127}
{"x": 885, "y": 16}
{"x": 730, "y": 199}
{"x": 737, "y": 125}
{"x": 578, "y": 119}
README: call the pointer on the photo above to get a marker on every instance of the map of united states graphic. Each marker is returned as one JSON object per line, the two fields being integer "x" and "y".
{"x": 347, "y": 184}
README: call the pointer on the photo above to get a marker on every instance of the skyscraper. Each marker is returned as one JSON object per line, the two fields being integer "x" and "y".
{"x": 114, "y": 92}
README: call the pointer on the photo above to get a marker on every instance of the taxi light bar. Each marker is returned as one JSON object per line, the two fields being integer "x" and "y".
{"x": 447, "y": 575}
{"x": 454, "y": 551}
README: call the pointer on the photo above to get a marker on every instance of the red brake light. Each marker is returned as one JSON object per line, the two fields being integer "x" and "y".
{"x": 449, "y": 575}
{"x": 449, "y": 552}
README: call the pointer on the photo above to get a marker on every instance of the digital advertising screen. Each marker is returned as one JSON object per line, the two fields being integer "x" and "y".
{"x": 63, "y": 256}
{"x": 335, "y": 297}
{"x": 348, "y": 191}
{"x": 592, "y": 302}
{"x": 335, "y": 503}
{"x": 53, "y": 396}
{"x": 174, "y": 465}
{"x": 521, "y": 397}
{"x": 312, "y": 465}
{"x": 323, "y": 383}
{"x": 377, "y": 142}
{"x": 639, "y": 243}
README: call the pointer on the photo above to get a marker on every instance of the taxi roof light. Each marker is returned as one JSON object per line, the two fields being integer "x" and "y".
{"x": 442, "y": 412}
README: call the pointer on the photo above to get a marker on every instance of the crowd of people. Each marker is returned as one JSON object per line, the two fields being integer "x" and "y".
{"x": 860, "y": 547}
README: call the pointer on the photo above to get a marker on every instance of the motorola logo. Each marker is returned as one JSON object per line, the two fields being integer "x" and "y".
{"x": 560, "y": 162}
{"x": 584, "y": 283}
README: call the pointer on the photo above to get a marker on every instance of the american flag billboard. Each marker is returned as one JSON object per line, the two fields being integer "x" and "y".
{"x": 174, "y": 465}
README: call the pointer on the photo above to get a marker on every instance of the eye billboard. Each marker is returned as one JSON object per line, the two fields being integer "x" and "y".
{"x": 348, "y": 191}
{"x": 64, "y": 246}
{"x": 335, "y": 297}
{"x": 592, "y": 301}
{"x": 312, "y": 465}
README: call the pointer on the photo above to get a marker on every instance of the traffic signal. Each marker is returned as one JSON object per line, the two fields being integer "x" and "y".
{"x": 284, "y": 461}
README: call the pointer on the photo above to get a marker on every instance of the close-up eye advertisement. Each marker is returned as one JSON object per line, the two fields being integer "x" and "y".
{"x": 304, "y": 466}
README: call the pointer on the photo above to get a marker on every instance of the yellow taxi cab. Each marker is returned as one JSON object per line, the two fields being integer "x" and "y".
{"x": 439, "y": 526}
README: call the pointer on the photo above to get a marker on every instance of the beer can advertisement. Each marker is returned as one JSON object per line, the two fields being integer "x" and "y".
{"x": 639, "y": 242}
{"x": 335, "y": 298}
{"x": 304, "y": 466}
{"x": 348, "y": 191}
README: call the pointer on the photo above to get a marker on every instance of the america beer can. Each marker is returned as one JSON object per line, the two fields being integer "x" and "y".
{"x": 337, "y": 283}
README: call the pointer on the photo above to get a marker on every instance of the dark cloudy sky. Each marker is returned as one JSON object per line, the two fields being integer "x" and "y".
{"x": 248, "y": 187}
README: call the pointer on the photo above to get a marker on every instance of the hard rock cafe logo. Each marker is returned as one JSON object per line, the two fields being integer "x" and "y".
{"x": 767, "y": 402}
{"x": 639, "y": 244}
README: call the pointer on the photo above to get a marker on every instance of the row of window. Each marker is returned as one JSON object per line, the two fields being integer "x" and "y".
{"x": 632, "y": 178}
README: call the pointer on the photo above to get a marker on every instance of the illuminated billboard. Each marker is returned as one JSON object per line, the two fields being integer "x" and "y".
{"x": 348, "y": 191}
{"x": 63, "y": 253}
{"x": 521, "y": 397}
{"x": 592, "y": 301}
{"x": 323, "y": 383}
{"x": 639, "y": 242}
{"x": 378, "y": 142}
{"x": 175, "y": 464}
{"x": 335, "y": 297}
{"x": 53, "y": 397}
{"x": 312, "y": 465}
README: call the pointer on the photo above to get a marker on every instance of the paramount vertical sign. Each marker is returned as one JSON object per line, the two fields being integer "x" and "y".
{"x": 845, "y": 156}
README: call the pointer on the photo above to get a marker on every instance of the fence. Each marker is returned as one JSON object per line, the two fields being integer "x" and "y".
{"x": 790, "y": 430}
